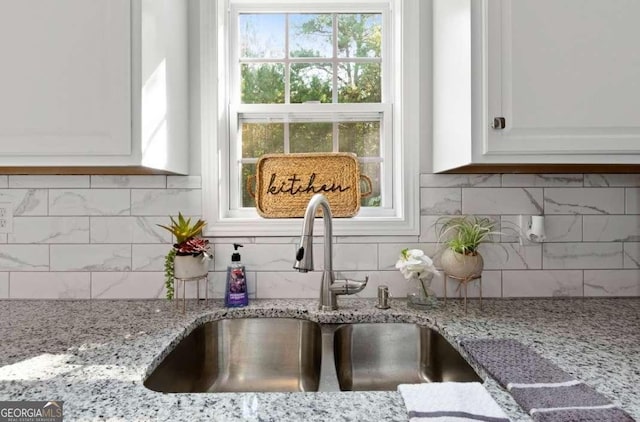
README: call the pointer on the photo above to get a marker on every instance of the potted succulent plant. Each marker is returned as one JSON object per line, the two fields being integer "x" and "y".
{"x": 189, "y": 258}
{"x": 462, "y": 236}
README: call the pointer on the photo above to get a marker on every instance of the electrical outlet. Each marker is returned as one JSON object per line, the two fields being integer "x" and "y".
{"x": 6, "y": 217}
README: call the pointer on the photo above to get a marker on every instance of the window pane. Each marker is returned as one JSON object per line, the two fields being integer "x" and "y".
{"x": 310, "y": 35}
{"x": 359, "y": 35}
{"x": 311, "y": 137}
{"x": 371, "y": 170}
{"x": 262, "y": 138}
{"x": 311, "y": 82}
{"x": 361, "y": 138}
{"x": 359, "y": 83}
{"x": 262, "y": 35}
{"x": 262, "y": 83}
{"x": 248, "y": 184}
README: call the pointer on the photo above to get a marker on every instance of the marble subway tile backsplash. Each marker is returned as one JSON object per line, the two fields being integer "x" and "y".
{"x": 157, "y": 182}
{"x": 542, "y": 180}
{"x": 632, "y": 200}
{"x": 129, "y": 230}
{"x": 631, "y": 255}
{"x": 611, "y": 228}
{"x": 24, "y": 257}
{"x": 166, "y": 201}
{"x": 127, "y": 285}
{"x": 511, "y": 256}
{"x": 51, "y": 285}
{"x": 82, "y": 202}
{"x": 612, "y": 283}
{"x": 611, "y": 180}
{"x": 287, "y": 284}
{"x": 49, "y": 230}
{"x": 148, "y": 257}
{"x": 584, "y": 201}
{"x": 96, "y": 237}
{"x": 116, "y": 257}
{"x": 583, "y": 255}
{"x": 278, "y": 257}
{"x": 544, "y": 283}
{"x": 502, "y": 201}
{"x": 26, "y": 202}
{"x": 4, "y": 285}
{"x": 48, "y": 181}
{"x": 440, "y": 201}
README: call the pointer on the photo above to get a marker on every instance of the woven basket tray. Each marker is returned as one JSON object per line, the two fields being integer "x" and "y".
{"x": 286, "y": 182}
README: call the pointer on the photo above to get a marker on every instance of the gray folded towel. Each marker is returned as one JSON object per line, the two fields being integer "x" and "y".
{"x": 545, "y": 391}
{"x": 583, "y": 415}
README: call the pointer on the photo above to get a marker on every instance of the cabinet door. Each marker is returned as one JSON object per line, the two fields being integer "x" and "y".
{"x": 65, "y": 78}
{"x": 565, "y": 75}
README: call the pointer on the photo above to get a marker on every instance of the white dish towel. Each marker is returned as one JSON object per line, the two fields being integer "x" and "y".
{"x": 450, "y": 402}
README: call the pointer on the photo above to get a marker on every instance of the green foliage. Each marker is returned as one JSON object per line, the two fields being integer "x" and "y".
{"x": 168, "y": 273}
{"x": 374, "y": 201}
{"x": 359, "y": 36}
{"x": 464, "y": 234}
{"x": 182, "y": 229}
{"x": 262, "y": 83}
{"x": 311, "y": 82}
{"x": 311, "y": 137}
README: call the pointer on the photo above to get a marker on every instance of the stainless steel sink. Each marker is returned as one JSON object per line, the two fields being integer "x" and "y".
{"x": 250, "y": 354}
{"x": 381, "y": 356}
{"x": 289, "y": 355}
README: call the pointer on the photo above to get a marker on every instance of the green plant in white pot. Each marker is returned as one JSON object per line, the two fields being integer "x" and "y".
{"x": 462, "y": 236}
{"x": 189, "y": 258}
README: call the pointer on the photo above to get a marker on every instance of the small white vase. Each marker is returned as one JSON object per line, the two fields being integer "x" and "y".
{"x": 461, "y": 266}
{"x": 189, "y": 266}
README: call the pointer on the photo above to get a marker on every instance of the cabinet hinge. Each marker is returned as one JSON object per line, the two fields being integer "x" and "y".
{"x": 499, "y": 123}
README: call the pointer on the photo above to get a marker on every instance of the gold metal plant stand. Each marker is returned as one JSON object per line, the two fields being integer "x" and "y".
{"x": 463, "y": 282}
{"x": 176, "y": 286}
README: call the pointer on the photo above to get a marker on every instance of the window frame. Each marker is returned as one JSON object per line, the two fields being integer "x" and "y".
{"x": 400, "y": 119}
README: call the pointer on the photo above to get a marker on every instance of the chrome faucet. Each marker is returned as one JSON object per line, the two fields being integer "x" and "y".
{"x": 330, "y": 288}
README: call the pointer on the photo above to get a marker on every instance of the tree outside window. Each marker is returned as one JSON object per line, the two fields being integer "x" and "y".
{"x": 317, "y": 61}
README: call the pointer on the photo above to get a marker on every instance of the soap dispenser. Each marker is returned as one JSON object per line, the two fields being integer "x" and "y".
{"x": 236, "y": 294}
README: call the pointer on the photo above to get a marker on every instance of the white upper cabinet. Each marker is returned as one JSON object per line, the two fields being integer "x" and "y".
{"x": 536, "y": 81}
{"x": 92, "y": 84}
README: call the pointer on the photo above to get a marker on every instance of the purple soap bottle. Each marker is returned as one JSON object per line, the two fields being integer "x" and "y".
{"x": 236, "y": 294}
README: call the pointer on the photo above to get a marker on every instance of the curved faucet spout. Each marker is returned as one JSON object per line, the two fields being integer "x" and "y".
{"x": 349, "y": 287}
{"x": 304, "y": 254}
{"x": 329, "y": 288}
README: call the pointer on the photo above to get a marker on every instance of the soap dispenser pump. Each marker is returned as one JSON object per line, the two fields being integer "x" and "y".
{"x": 236, "y": 294}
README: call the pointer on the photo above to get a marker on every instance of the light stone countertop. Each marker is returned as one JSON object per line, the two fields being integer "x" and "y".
{"x": 94, "y": 355}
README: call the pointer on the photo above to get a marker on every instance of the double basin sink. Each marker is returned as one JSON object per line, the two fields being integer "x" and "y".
{"x": 290, "y": 355}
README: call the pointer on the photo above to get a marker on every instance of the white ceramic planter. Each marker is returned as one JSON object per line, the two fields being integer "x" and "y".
{"x": 461, "y": 266}
{"x": 189, "y": 266}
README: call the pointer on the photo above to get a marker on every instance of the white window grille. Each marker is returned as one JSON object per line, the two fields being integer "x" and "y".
{"x": 305, "y": 76}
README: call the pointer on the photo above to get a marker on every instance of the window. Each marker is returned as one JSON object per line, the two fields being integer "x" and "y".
{"x": 309, "y": 82}
{"x": 305, "y": 76}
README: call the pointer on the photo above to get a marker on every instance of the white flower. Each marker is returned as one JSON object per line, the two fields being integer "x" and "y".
{"x": 413, "y": 263}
